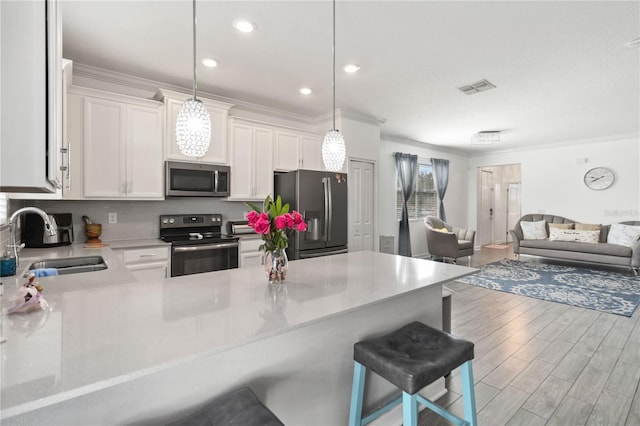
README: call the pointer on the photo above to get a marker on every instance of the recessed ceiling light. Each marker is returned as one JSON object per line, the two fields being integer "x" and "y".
{"x": 244, "y": 25}
{"x": 351, "y": 68}
{"x": 305, "y": 91}
{"x": 209, "y": 62}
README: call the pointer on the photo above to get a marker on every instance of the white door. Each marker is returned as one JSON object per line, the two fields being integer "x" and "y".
{"x": 361, "y": 206}
{"x": 513, "y": 207}
{"x": 485, "y": 210}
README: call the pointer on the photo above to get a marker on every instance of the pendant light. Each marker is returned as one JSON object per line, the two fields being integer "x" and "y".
{"x": 193, "y": 125}
{"x": 333, "y": 148}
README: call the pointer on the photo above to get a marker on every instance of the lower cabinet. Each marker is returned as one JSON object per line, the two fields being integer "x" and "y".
{"x": 249, "y": 253}
{"x": 147, "y": 264}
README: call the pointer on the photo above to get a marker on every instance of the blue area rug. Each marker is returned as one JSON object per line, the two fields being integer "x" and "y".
{"x": 603, "y": 291}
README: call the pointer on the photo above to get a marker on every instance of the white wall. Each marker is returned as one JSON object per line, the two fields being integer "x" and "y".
{"x": 455, "y": 200}
{"x": 552, "y": 182}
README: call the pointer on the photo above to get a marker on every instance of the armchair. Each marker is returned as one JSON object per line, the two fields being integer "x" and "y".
{"x": 452, "y": 244}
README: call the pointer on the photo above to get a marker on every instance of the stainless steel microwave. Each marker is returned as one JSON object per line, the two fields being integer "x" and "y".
{"x": 196, "y": 180}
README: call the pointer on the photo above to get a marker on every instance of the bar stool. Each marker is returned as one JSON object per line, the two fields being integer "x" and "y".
{"x": 411, "y": 358}
{"x": 240, "y": 407}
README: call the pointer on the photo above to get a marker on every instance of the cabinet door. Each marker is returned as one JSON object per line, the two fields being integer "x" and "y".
{"x": 285, "y": 153}
{"x": 250, "y": 259}
{"x": 241, "y": 161}
{"x": 145, "y": 177}
{"x": 311, "y": 152}
{"x": 149, "y": 271}
{"x": 104, "y": 148}
{"x": 217, "y": 152}
{"x": 262, "y": 162}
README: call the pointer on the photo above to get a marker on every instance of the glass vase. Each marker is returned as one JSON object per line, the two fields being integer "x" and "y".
{"x": 275, "y": 265}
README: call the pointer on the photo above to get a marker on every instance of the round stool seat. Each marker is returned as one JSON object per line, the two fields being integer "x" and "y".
{"x": 413, "y": 356}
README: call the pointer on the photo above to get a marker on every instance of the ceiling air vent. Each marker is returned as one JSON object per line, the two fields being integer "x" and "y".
{"x": 477, "y": 87}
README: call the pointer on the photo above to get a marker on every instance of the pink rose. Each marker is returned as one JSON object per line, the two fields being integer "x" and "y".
{"x": 262, "y": 224}
{"x": 299, "y": 222}
{"x": 252, "y": 217}
{"x": 281, "y": 222}
{"x": 301, "y": 226}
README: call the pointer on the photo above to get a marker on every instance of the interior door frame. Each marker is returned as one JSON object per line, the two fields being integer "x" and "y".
{"x": 374, "y": 215}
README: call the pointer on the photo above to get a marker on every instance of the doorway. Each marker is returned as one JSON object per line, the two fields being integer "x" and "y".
{"x": 499, "y": 200}
{"x": 361, "y": 205}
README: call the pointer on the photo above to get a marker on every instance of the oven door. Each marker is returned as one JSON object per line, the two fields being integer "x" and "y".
{"x": 195, "y": 259}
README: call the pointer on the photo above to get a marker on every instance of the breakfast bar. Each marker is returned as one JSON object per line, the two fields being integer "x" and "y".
{"x": 115, "y": 351}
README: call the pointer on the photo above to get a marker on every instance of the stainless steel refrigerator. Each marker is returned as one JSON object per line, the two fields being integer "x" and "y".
{"x": 321, "y": 198}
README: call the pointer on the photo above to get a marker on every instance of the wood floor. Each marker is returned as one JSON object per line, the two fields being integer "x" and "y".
{"x": 543, "y": 363}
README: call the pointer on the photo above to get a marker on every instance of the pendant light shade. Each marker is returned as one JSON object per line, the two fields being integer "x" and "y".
{"x": 333, "y": 147}
{"x": 193, "y": 125}
{"x": 193, "y": 129}
{"x": 333, "y": 151}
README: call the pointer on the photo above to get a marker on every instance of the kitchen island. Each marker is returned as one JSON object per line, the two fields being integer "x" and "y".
{"x": 151, "y": 352}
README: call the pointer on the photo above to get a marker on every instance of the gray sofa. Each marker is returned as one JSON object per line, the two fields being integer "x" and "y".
{"x": 601, "y": 253}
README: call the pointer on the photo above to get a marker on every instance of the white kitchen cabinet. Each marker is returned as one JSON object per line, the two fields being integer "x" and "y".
{"x": 285, "y": 152}
{"x": 148, "y": 263}
{"x": 251, "y": 148}
{"x": 249, "y": 253}
{"x": 123, "y": 147}
{"x": 218, "y": 111}
{"x": 310, "y": 152}
{"x": 295, "y": 150}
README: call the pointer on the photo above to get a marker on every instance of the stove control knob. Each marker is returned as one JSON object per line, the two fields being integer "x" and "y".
{"x": 172, "y": 221}
{"x": 165, "y": 221}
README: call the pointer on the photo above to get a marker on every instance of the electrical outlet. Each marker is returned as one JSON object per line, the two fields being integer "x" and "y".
{"x": 113, "y": 217}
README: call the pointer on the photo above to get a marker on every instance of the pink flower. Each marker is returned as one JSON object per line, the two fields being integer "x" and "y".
{"x": 263, "y": 224}
{"x": 299, "y": 222}
{"x": 252, "y": 217}
{"x": 281, "y": 222}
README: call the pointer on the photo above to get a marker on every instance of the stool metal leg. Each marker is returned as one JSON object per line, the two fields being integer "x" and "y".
{"x": 357, "y": 393}
{"x": 468, "y": 394}
{"x": 409, "y": 409}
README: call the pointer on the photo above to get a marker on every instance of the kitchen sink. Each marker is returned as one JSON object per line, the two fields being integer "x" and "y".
{"x": 71, "y": 265}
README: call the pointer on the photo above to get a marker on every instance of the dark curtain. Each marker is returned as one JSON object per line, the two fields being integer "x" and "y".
{"x": 407, "y": 167}
{"x": 441, "y": 177}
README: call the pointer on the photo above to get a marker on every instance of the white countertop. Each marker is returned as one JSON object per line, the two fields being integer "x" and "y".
{"x": 100, "y": 332}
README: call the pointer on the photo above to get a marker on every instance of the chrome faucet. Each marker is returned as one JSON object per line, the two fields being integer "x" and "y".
{"x": 13, "y": 240}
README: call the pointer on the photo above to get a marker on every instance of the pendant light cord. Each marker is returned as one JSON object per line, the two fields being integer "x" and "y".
{"x": 195, "y": 84}
{"x": 333, "y": 50}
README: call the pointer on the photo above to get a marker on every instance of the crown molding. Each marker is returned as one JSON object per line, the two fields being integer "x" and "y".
{"x": 152, "y": 86}
{"x": 351, "y": 115}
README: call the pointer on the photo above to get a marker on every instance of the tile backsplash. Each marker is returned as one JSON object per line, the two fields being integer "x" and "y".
{"x": 4, "y": 238}
{"x": 136, "y": 219}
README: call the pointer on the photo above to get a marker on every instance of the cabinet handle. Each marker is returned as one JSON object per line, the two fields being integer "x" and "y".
{"x": 147, "y": 255}
{"x": 69, "y": 165}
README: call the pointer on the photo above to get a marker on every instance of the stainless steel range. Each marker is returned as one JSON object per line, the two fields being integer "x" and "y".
{"x": 197, "y": 243}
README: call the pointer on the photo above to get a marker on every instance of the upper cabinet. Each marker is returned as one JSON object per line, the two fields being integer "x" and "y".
{"x": 251, "y": 149}
{"x": 296, "y": 150}
{"x": 122, "y": 147}
{"x": 219, "y": 111}
{"x": 31, "y": 101}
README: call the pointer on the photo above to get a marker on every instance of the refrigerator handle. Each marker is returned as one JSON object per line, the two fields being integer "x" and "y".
{"x": 325, "y": 190}
{"x": 330, "y": 216}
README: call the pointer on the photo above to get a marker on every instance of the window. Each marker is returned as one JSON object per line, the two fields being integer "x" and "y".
{"x": 424, "y": 201}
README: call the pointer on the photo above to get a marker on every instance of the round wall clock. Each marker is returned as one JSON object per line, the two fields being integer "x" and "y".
{"x": 599, "y": 178}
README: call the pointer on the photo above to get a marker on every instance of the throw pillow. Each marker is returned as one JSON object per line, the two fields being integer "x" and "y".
{"x": 534, "y": 230}
{"x": 591, "y": 237}
{"x": 560, "y": 226}
{"x": 624, "y": 235}
{"x": 587, "y": 227}
{"x": 445, "y": 230}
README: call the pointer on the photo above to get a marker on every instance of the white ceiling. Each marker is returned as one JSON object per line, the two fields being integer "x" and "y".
{"x": 562, "y": 69}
